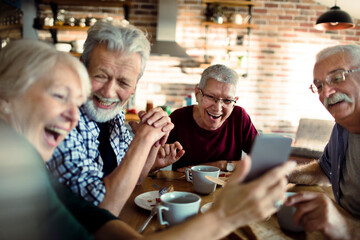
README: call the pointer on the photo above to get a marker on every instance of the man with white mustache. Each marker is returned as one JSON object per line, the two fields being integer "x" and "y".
{"x": 336, "y": 98}
{"x": 99, "y": 160}
{"x": 337, "y": 81}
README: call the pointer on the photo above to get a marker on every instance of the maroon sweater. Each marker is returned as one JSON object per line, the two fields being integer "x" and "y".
{"x": 237, "y": 134}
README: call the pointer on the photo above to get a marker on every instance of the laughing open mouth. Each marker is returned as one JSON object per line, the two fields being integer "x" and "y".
{"x": 53, "y": 133}
{"x": 104, "y": 102}
{"x": 213, "y": 116}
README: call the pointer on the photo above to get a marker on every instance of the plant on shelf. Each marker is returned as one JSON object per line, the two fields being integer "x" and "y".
{"x": 214, "y": 13}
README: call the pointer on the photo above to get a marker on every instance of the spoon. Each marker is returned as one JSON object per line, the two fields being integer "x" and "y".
{"x": 152, "y": 214}
{"x": 215, "y": 180}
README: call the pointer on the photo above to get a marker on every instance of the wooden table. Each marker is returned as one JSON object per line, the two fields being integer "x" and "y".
{"x": 131, "y": 117}
{"x": 135, "y": 216}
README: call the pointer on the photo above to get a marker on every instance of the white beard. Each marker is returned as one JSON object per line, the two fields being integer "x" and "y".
{"x": 101, "y": 115}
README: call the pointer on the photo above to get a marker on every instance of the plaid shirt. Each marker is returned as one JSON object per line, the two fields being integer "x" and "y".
{"x": 76, "y": 162}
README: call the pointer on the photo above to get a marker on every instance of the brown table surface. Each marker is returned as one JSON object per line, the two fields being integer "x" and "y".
{"x": 135, "y": 216}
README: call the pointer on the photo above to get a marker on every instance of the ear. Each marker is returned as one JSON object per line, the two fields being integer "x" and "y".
{"x": 196, "y": 92}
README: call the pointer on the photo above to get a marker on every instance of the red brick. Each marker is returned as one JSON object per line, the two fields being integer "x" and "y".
{"x": 303, "y": 6}
{"x": 355, "y": 39}
{"x": 257, "y": 10}
{"x": 285, "y": 17}
{"x": 309, "y": 25}
{"x": 271, "y": 5}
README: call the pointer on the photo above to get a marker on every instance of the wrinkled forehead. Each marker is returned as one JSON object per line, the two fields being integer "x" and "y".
{"x": 331, "y": 63}
{"x": 213, "y": 85}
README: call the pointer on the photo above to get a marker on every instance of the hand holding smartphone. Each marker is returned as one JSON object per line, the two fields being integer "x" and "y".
{"x": 268, "y": 151}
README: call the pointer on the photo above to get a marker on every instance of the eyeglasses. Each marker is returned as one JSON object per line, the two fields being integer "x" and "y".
{"x": 208, "y": 99}
{"x": 333, "y": 78}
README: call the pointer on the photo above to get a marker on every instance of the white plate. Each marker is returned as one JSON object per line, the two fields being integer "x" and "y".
{"x": 205, "y": 207}
{"x": 147, "y": 200}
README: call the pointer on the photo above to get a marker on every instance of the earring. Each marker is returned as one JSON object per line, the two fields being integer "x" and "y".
{"x": 6, "y": 109}
{"x": 4, "y": 106}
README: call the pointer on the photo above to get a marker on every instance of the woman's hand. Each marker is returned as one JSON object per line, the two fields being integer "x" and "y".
{"x": 167, "y": 155}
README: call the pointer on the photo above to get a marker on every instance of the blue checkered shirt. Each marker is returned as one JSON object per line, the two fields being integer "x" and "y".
{"x": 76, "y": 162}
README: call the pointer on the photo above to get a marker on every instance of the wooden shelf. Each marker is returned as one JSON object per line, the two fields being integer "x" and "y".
{"x": 231, "y": 3}
{"x": 95, "y": 3}
{"x": 72, "y": 28}
{"x": 75, "y": 54}
{"x": 228, "y": 25}
{"x": 10, "y": 27}
{"x": 233, "y": 50}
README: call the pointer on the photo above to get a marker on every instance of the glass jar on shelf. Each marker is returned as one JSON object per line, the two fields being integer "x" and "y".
{"x": 49, "y": 21}
{"x": 81, "y": 22}
{"x": 70, "y": 21}
{"x": 60, "y": 18}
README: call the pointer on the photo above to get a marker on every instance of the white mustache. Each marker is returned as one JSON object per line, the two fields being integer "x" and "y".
{"x": 337, "y": 97}
{"x": 106, "y": 100}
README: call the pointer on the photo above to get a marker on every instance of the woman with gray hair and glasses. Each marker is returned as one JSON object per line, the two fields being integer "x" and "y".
{"x": 215, "y": 131}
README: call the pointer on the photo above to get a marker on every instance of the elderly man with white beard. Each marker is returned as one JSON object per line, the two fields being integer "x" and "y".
{"x": 99, "y": 160}
{"x": 337, "y": 82}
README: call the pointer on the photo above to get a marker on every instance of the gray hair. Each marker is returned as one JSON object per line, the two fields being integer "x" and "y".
{"x": 351, "y": 49}
{"x": 127, "y": 39}
{"x": 25, "y": 61}
{"x": 220, "y": 73}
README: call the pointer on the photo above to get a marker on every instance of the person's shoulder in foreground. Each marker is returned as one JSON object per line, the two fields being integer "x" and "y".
{"x": 31, "y": 209}
{"x": 41, "y": 108}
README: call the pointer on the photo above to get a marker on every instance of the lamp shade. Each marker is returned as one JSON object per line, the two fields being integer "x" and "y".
{"x": 334, "y": 19}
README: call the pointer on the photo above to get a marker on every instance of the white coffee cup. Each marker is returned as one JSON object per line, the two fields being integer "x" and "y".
{"x": 285, "y": 217}
{"x": 197, "y": 174}
{"x": 176, "y": 207}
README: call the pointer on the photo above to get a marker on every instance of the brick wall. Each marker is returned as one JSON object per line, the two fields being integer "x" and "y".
{"x": 281, "y": 54}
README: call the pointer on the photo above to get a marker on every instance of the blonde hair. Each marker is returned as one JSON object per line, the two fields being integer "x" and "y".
{"x": 24, "y": 61}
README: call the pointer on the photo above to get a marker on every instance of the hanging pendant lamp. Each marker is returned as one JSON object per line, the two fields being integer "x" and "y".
{"x": 334, "y": 19}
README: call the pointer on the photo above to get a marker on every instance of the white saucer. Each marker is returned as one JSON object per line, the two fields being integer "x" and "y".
{"x": 147, "y": 200}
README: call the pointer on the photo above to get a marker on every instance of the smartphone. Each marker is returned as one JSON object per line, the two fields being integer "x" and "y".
{"x": 268, "y": 151}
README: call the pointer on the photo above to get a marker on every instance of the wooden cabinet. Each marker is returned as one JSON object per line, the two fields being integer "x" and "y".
{"x": 230, "y": 45}
{"x": 56, "y": 4}
{"x": 11, "y": 21}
